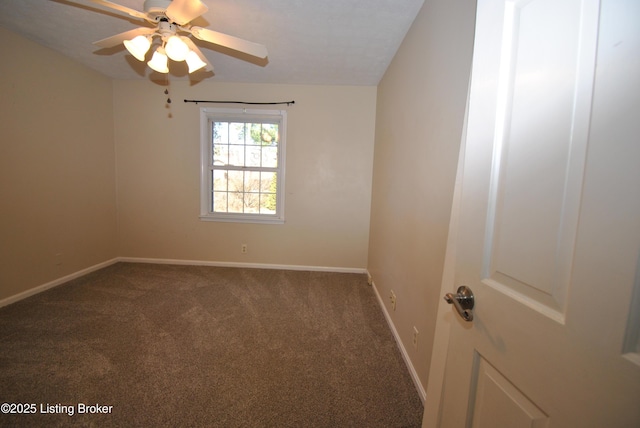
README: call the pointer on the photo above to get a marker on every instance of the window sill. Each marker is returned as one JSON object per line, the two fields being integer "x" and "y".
{"x": 242, "y": 219}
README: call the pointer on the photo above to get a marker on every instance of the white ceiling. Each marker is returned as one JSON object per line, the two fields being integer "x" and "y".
{"x": 329, "y": 42}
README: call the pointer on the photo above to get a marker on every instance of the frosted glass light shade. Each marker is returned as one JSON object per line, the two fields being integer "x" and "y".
{"x": 176, "y": 49}
{"x": 194, "y": 62}
{"x": 138, "y": 46}
{"x": 159, "y": 61}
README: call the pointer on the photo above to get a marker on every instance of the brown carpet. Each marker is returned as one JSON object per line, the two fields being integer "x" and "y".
{"x": 204, "y": 346}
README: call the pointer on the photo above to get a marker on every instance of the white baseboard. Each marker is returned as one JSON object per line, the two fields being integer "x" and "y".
{"x": 39, "y": 289}
{"x": 405, "y": 355}
{"x": 241, "y": 265}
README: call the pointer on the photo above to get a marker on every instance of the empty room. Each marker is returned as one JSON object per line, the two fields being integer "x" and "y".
{"x": 242, "y": 213}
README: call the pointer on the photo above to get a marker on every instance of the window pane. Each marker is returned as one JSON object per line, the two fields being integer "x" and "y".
{"x": 256, "y": 133}
{"x": 219, "y": 180}
{"x": 236, "y": 181}
{"x": 220, "y": 201}
{"x": 236, "y": 155}
{"x": 252, "y": 181}
{"x": 270, "y": 156}
{"x": 220, "y": 154}
{"x": 220, "y": 133}
{"x": 269, "y": 133}
{"x": 252, "y": 157}
{"x": 268, "y": 182}
{"x": 235, "y": 203}
{"x": 267, "y": 203}
{"x": 251, "y": 203}
{"x": 236, "y": 133}
{"x": 263, "y": 133}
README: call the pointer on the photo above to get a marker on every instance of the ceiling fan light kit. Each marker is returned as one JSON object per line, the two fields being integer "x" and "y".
{"x": 175, "y": 47}
{"x": 194, "y": 62}
{"x": 138, "y": 46}
{"x": 171, "y": 17}
{"x": 159, "y": 61}
{"x": 177, "y": 50}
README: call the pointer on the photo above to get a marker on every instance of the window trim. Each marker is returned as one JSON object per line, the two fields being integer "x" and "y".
{"x": 209, "y": 114}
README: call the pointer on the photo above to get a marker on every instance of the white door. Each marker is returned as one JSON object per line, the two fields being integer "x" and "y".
{"x": 549, "y": 221}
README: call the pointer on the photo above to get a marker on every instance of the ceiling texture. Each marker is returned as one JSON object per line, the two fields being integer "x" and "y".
{"x": 315, "y": 42}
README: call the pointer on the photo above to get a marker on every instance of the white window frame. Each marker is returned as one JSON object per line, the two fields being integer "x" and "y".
{"x": 209, "y": 115}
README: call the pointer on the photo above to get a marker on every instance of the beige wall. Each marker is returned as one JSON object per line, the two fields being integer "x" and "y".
{"x": 57, "y": 166}
{"x": 421, "y": 104}
{"x": 329, "y": 160}
{"x": 66, "y": 130}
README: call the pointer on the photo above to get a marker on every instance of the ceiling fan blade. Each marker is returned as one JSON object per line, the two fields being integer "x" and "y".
{"x": 198, "y": 52}
{"x": 231, "y": 42}
{"x": 119, "y": 38}
{"x": 183, "y": 11}
{"x": 120, "y": 8}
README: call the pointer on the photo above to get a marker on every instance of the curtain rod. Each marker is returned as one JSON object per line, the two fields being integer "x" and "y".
{"x": 239, "y": 102}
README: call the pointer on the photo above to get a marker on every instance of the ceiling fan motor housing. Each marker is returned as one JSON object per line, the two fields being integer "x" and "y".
{"x": 166, "y": 28}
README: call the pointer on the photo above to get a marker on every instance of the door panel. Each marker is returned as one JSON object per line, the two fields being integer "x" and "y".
{"x": 540, "y": 138}
{"x": 548, "y": 235}
{"x": 496, "y": 402}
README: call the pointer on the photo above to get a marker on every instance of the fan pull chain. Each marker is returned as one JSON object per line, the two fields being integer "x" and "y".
{"x": 168, "y": 104}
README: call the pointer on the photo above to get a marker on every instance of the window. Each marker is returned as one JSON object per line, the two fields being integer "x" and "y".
{"x": 242, "y": 173}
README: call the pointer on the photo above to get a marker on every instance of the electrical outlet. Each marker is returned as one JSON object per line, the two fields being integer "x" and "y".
{"x": 392, "y": 297}
{"x": 243, "y": 248}
{"x": 415, "y": 337}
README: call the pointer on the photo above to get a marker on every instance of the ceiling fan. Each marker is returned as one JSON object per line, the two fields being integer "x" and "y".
{"x": 171, "y": 19}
